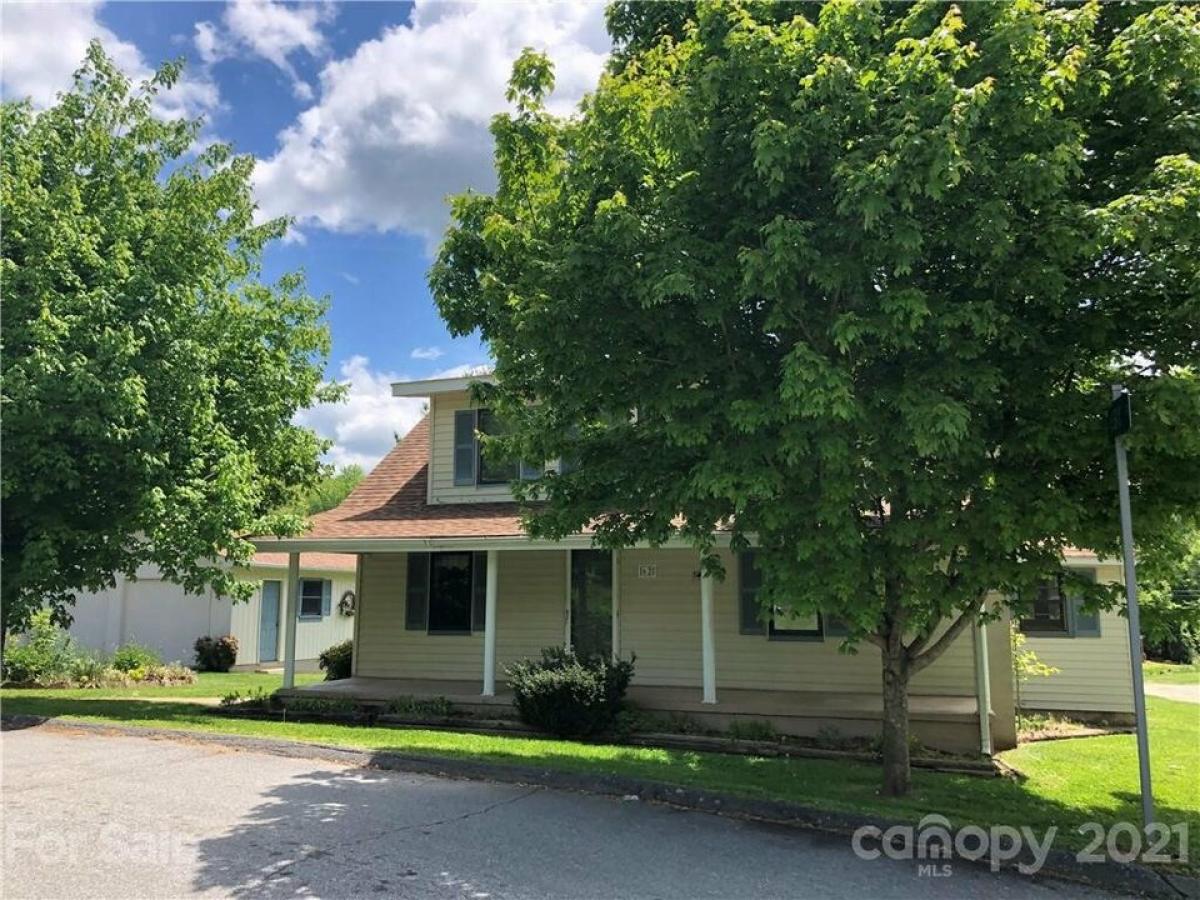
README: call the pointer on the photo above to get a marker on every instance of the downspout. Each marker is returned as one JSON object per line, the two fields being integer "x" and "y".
{"x": 983, "y": 690}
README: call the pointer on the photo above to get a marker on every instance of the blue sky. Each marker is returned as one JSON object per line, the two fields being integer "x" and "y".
{"x": 363, "y": 117}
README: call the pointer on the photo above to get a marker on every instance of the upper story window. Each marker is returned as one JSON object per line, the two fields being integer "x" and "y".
{"x": 474, "y": 467}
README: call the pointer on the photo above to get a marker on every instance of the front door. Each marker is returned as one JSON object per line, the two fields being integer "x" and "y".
{"x": 591, "y": 602}
{"x": 268, "y": 628}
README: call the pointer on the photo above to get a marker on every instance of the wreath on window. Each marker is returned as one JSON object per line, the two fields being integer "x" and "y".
{"x": 346, "y": 604}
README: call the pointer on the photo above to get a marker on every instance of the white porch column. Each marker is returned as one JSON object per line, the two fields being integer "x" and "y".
{"x": 616, "y": 604}
{"x": 707, "y": 646}
{"x": 290, "y": 611}
{"x": 489, "y": 624}
{"x": 983, "y": 689}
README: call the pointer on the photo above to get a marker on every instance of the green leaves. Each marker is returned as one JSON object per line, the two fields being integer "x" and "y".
{"x": 150, "y": 376}
{"x": 853, "y": 281}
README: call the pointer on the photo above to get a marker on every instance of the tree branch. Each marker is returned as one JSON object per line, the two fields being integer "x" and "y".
{"x": 918, "y": 661}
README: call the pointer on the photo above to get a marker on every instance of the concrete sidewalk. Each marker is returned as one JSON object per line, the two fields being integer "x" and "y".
{"x": 1188, "y": 693}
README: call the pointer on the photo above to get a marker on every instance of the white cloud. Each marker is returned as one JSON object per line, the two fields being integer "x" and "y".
{"x": 366, "y": 425}
{"x": 352, "y": 279}
{"x": 271, "y": 30}
{"x": 208, "y": 42}
{"x": 42, "y": 44}
{"x": 403, "y": 122}
{"x": 427, "y": 353}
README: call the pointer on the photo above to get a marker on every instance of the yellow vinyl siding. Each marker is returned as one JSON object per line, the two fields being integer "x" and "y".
{"x": 660, "y": 617}
{"x": 660, "y": 622}
{"x": 1093, "y": 672}
{"x": 442, "y": 488}
{"x": 531, "y": 604}
{"x": 529, "y": 616}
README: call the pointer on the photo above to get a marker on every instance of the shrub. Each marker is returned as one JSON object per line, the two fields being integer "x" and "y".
{"x": 335, "y": 660}
{"x": 134, "y": 656}
{"x": 258, "y": 698}
{"x": 752, "y": 730}
{"x": 433, "y": 707}
{"x": 216, "y": 654}
{"x": 1175, "y": 643}
{"x": 321, "y": 706}
{"x": 89, "y": 668}
{"x": 164, "y": 674}
{"x": 568, "y": 696}
{"x": 42, "y": 655}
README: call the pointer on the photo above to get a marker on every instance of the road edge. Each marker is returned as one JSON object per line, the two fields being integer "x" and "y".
{"x": 1125, "y": 878}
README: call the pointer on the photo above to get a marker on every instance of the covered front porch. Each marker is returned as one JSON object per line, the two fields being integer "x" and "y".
{"x": 580, "y": 608}
{"x": 696, "y": 658}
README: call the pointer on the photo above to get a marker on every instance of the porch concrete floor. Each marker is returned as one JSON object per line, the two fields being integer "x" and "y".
{"x": 730, "y": 701}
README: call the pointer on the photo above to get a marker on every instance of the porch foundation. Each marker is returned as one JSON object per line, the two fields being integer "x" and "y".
{"x": 942, "y": 722}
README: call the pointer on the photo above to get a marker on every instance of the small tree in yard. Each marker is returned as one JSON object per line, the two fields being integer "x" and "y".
{"x": 1025, "y": 663}
{"x": 150, "y": 377}
{"x": 851, "y": 282}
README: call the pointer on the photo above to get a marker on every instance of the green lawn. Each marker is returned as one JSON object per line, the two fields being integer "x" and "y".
{"x": 208, "y": 684}
{"x": 1171, "y": 673}
{"x": 1069, "y": 782}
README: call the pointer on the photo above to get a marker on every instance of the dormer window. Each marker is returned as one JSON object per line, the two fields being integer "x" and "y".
{"x": 474, "y": 467}
{"x": 493, "y": 469}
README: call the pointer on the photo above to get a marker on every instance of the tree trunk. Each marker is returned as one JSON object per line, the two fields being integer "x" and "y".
{"x": 894, "y": 745}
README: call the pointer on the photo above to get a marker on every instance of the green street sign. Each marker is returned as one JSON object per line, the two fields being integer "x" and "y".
{"x": 1120, "y": 416}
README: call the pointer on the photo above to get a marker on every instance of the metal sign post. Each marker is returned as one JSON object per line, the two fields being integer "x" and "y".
{"x": 1119, "y": 423}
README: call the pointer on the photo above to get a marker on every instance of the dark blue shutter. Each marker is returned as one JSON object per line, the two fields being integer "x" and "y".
{"x": 326, "y": 597}
{"x": 749, "y": 581}
{"x": 464, "y": 447}
{"x": 1083, "y": 622}
{"x": 478, "y": 590}
{"x": 416, "y": 610}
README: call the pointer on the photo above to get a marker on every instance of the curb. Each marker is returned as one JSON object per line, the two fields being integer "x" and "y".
{"x": 1125, "y": 878}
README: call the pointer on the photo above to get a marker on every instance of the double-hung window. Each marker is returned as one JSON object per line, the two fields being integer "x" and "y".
{"x": 446, "y": 592}
{"x": 781, "y": 624}
{"x": 1054, "y": 613}
{"x": 1049, "y": 611}
{"x": 474, "y": 466}
{"x": 315, "y": 597}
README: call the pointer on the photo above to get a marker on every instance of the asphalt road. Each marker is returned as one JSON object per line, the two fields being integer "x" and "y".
{"x": 105, "y": 816}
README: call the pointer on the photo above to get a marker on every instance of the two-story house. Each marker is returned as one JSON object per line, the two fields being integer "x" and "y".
{"x": 451, "y": 590}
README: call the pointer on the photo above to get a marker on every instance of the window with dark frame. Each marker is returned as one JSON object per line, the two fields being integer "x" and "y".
{"x": 487, "y": 469}
{"x": 450, "y": 593}
{"x": 490, "y": 469}
{"x": 445, "y": 593}
{"x": 782, "y": 625}
{"x": 1049, "y": 612}
{"x": 312, "y": 597}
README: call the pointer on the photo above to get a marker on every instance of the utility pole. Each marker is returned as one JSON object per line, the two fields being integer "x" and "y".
{"x": 1119, "y": 422}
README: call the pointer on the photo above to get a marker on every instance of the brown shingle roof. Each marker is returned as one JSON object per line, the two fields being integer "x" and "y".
{"x": 391, "y": 503}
